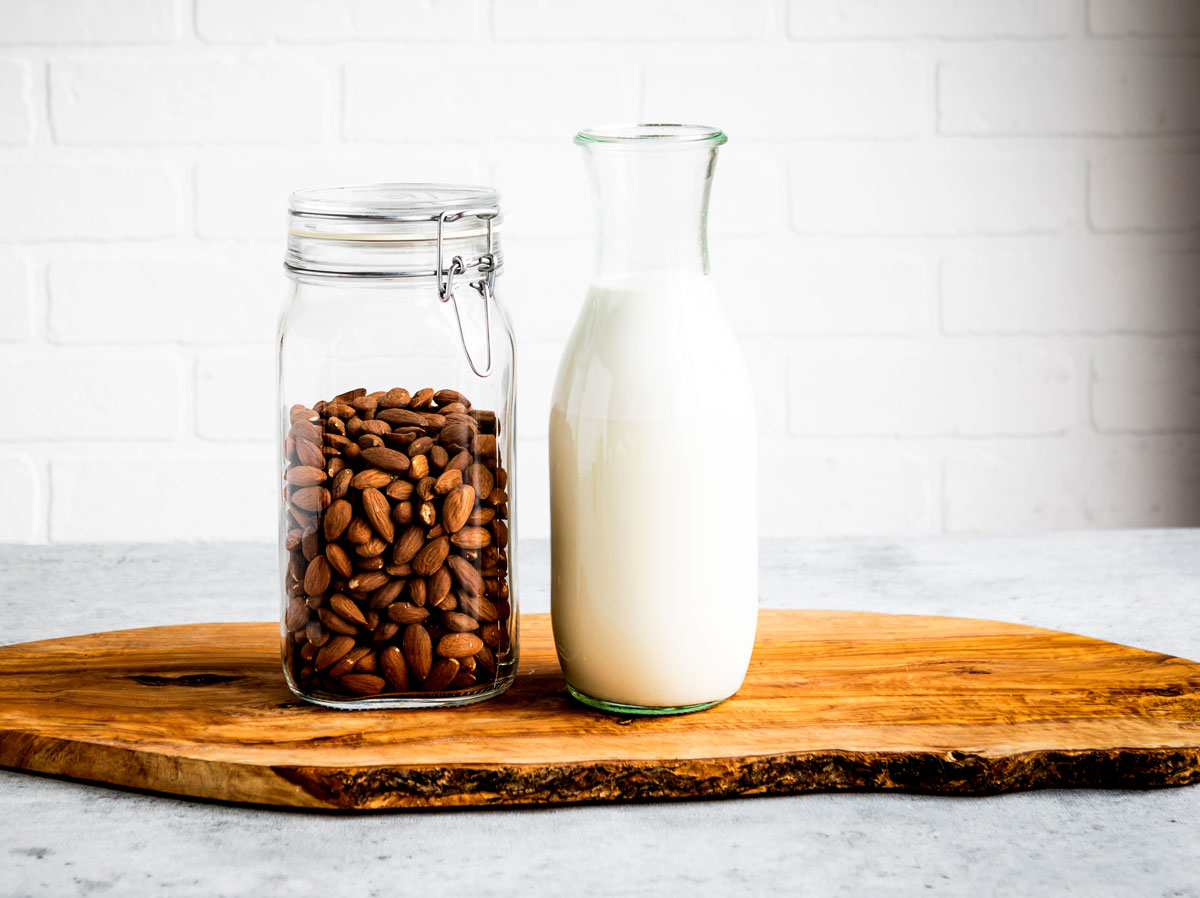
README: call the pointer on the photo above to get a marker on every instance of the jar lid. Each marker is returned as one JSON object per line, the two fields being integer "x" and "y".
{"x": 393, "y": 230}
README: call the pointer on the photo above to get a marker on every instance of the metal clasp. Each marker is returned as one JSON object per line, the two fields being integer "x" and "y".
{"x": 485, "y": 285}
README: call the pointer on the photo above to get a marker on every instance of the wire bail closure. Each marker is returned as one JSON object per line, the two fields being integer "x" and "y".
{"x": 484, "y": 286}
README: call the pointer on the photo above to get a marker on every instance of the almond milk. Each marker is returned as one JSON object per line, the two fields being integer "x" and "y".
{"x": 652, "y": 487}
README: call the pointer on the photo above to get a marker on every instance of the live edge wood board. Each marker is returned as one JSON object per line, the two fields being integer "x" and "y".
{"x": 833, "y": 701}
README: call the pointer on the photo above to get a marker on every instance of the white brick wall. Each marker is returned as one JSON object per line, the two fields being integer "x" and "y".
{"x": 190, "y": 99}
{"x": 960, "y": 241}
{"x": 16, "y": 102}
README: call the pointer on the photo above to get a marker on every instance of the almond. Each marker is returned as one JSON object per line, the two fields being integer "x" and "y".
{"x": 448, "y": 480}
{"x": 305, "y": 430}
{"x": 485, "y": 419}
{"x": 336, "y": 622}
{"x": 385, "y": 631}
{"x": 409, "y": 544}
{"x": 486, "y": 660}
{"x": 455, "y": 434}
{"x": 484, "y": 446}
{"x": 467, "y": 575}
{"x": 368, "y": 663}
{"x": 481, "y": 516}
{"x": 300, "y": 412}
{"x": 445, "y": 397}
{"x": 406, "y": 613}
{"x": 401, "y": 417}
{"x": 337, "y": 519}
{"x": 347, "y": 609}
{"x": 480, "y": 479}
{"x": 459, "y": 622}
{"x": 316, "y": 633}
{"x": 310, "y": 545}
{"x": 378, "y": 512}
{"x": 418, "y": 650}
{"x": 368, "y": 581}
{"x": 398, "y": 490}
{"x": 430, "y": 558}
{"x": 459, "y": 504}
{"x": 373, "y": 546}
{"x": 478, "y": 607}
{"x": 438, "y": 585}
{"x": 501, "y": 530}
{"x": 424, "y": 488}
{"x": 347, "y": 662}
{"x": 311, "y": 498}
{"x": 295, "y": 617}
{"x": 422, "y": 398}
{"x": 371, "y": 477}
{"x": 310, "y": 454}
{"x": 362, "y": 683}
{"x": 387, "y": 459}
{"x": 358, "y": 531}
{"x": 333, "y": 651}
{"x": 418, "y": 591}
{"x": 316, "y": 576}
{"x": 338, "y": 559}
{"x": 397, "y": 397}
{"x": 427, "y": 513}
{"x": 441, "y": 675}
{"x": 403, "y": 513}
{"x": 472, "y": 538}
{"x": 341, "y": 481}
{"x": 305, "y": 475}
{"x": 393, "y": 668}
{"x": 387, "y": 593}
{"x": 419, "y": 468}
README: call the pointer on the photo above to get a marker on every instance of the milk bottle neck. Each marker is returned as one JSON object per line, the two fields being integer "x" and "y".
{"x": 650, "y": 186}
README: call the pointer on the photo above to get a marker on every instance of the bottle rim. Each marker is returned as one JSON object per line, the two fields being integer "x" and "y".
{"x": 651, "y": 133}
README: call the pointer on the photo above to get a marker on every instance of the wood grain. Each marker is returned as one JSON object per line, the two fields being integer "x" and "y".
{"x": 833, "y": 701}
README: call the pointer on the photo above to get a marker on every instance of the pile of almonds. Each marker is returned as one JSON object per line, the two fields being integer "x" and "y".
{"x": 397, "y": 571}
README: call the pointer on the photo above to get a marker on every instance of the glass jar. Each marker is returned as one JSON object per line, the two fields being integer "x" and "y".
{"x": 396, "y": 397}
{"x": 654, "y": 551}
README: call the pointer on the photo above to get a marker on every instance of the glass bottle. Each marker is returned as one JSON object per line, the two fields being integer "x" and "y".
{"x": 653, "y": 445}
{"x": 397, "y": 404}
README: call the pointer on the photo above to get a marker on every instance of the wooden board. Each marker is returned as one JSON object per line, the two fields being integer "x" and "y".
{"x": 833, "y": 700}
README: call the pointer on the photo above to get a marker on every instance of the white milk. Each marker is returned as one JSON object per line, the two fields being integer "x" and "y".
{"x": 653, "y": 497}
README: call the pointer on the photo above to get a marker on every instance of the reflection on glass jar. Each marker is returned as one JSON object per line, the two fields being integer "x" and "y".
{"x": 396, "y": 395}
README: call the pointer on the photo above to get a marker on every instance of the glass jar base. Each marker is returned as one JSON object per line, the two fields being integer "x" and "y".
{"x": 642, "y": 710}
{"x": 412, "y": 701}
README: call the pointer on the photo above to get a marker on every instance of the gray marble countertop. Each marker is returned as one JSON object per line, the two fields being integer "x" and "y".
{"x": 1135, "y": 587}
